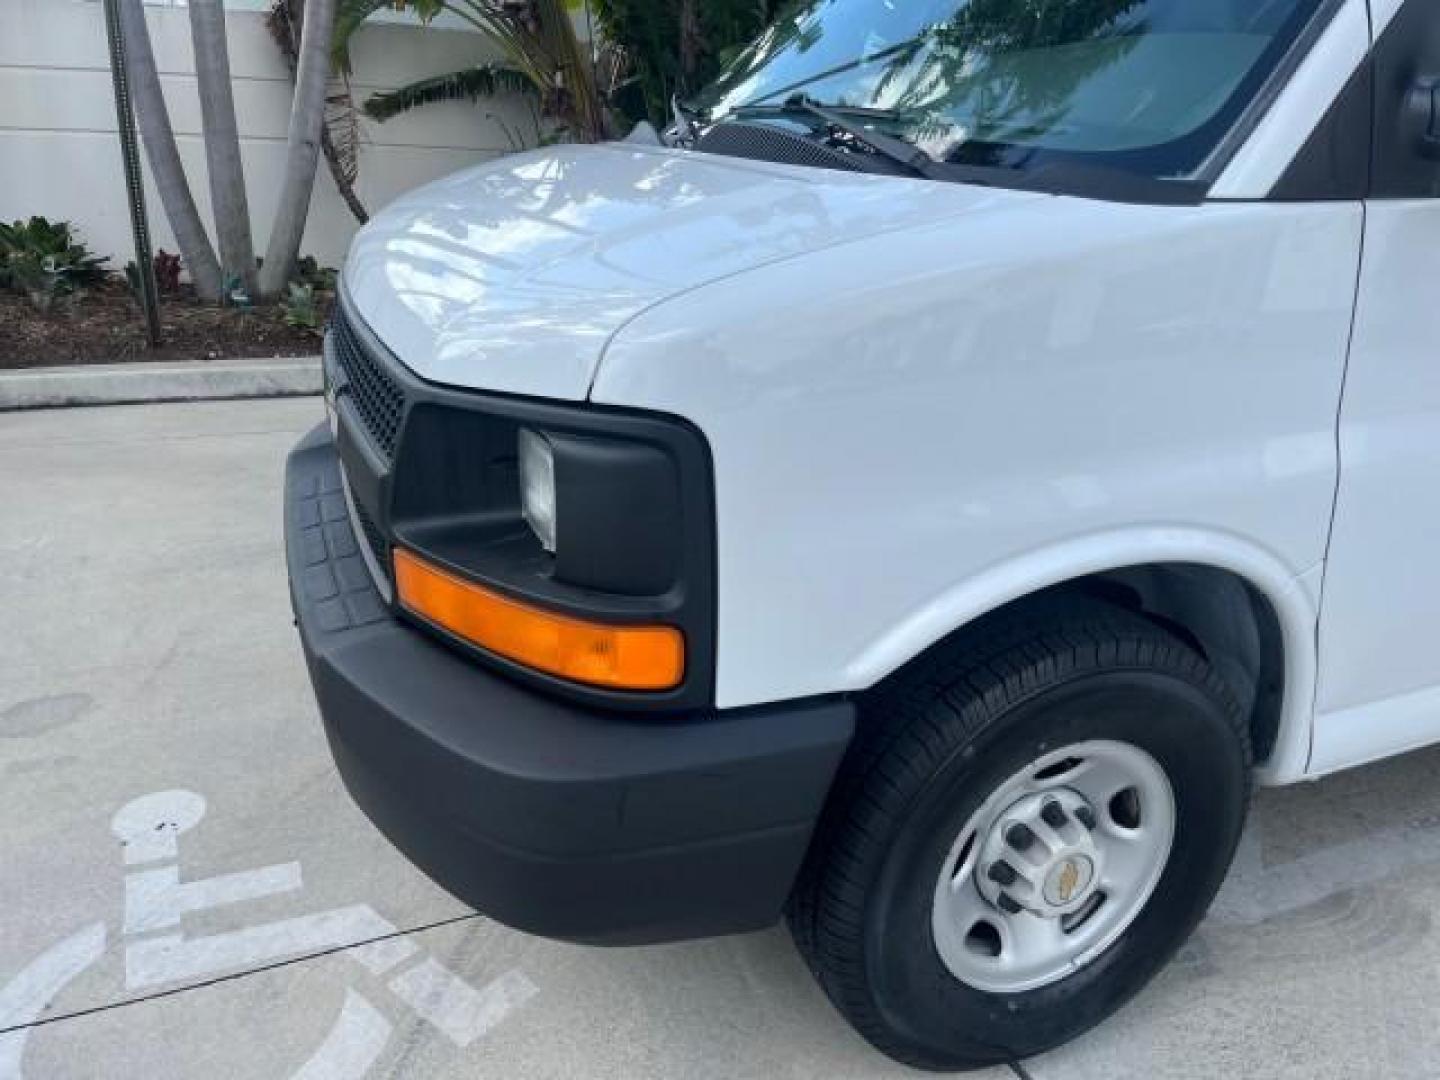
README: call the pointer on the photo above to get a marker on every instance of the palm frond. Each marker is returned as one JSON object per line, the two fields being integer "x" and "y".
{"x": 471, "y": 84}
{"x": 350, "y": 15}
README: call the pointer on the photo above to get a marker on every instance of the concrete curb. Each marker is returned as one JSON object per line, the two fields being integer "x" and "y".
{"x": 122, "y": 384}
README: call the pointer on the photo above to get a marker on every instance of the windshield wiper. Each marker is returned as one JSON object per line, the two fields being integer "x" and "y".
{"x": 683, "y": 118}
{"x": 902, "y": 153}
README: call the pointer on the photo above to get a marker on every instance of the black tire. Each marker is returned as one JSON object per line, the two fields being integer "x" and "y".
{"x": 936, "y": 741}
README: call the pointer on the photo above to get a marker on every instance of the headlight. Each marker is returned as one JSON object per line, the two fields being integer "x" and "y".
{"x": 537, "y": 485}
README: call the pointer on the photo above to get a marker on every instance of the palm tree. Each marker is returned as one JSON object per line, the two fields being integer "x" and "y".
{"x": 469, "y": 84}
{"x": 160, "y": 149}
{"x": 676, "y": 47}
{"x": 648, "y": 51}
{"x": 222, "y": 141}
{"x": 340, "y": 137}
{"x": 307, "y": 121}
{"x": 541, "y": 51}
{"x": 212, "y": 72}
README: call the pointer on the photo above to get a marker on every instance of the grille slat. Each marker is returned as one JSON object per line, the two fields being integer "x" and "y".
{"x": 378, "y": 398}
{"x": 374, "y": 539}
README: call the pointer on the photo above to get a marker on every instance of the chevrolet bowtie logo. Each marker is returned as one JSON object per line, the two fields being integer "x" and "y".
{"x": 1069, "y": 878}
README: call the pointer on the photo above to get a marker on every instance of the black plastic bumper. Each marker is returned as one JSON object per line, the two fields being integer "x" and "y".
{"x": 551, "y": 818}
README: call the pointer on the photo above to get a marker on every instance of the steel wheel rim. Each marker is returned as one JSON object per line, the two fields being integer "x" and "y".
{"x": 1056, "y": 931}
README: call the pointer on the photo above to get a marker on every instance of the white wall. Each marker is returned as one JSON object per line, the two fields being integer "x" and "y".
{"x": 60, "y": 156}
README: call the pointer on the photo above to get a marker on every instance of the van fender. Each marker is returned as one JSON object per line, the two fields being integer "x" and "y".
{"x": 1293, "y": 595}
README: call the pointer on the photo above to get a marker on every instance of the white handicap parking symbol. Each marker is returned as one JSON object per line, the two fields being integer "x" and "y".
{"x": 159, "y": 953}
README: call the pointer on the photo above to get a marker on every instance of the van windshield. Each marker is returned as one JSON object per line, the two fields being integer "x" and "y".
{"x": 1151, "y": 87}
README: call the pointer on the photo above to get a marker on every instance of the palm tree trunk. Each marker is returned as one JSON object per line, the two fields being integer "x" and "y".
{"x": 691, "y": 40}
{"x": 307, "y": 119}
{"x": 575, "y": 69}
{"x": 284, "y": 23}
{"x": 164, "y": 157}
{"x": 340, "y": 173}
{"x": 222, "y": 141}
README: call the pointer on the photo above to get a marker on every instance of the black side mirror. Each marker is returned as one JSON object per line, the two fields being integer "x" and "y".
{"x": 1423, "y": 106}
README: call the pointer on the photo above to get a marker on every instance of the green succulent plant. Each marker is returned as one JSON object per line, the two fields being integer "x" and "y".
{"x": 46, "y": 262}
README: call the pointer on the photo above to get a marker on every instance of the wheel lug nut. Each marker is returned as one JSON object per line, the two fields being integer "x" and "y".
{"x": 1007, "y": 904}
{"x": 1019, "y": 836}
{"x": 1086, "y": 816}
{"x": 1053, "y": 814}
{"x": 1002, "y": 873}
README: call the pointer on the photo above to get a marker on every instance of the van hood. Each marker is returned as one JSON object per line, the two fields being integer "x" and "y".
{"x": 514, "y": 275}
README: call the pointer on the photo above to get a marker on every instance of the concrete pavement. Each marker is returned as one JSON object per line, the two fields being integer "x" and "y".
{"x": 183, "y": 882}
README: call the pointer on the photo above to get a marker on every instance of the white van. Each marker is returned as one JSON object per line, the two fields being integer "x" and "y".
{"x": 920, "y": 497}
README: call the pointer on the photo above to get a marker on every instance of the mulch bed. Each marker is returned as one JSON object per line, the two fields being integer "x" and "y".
{"x": 105, "y": 325}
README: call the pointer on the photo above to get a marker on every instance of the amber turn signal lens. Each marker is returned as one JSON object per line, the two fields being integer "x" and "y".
{"x": 618, "y": 657}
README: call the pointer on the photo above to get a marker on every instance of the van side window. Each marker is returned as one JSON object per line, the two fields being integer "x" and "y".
{"x": 1375, "y": 140}
{"x": 1407, "y": 105}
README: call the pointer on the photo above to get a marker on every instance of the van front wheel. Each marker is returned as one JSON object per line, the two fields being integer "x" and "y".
{"x": 1029, "y": 826}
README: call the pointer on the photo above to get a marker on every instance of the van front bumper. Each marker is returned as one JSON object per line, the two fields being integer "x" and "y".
{"x": 555, "y": 819}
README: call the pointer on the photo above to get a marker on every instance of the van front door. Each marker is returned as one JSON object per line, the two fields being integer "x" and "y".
{"x": 1379, "y": 689}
